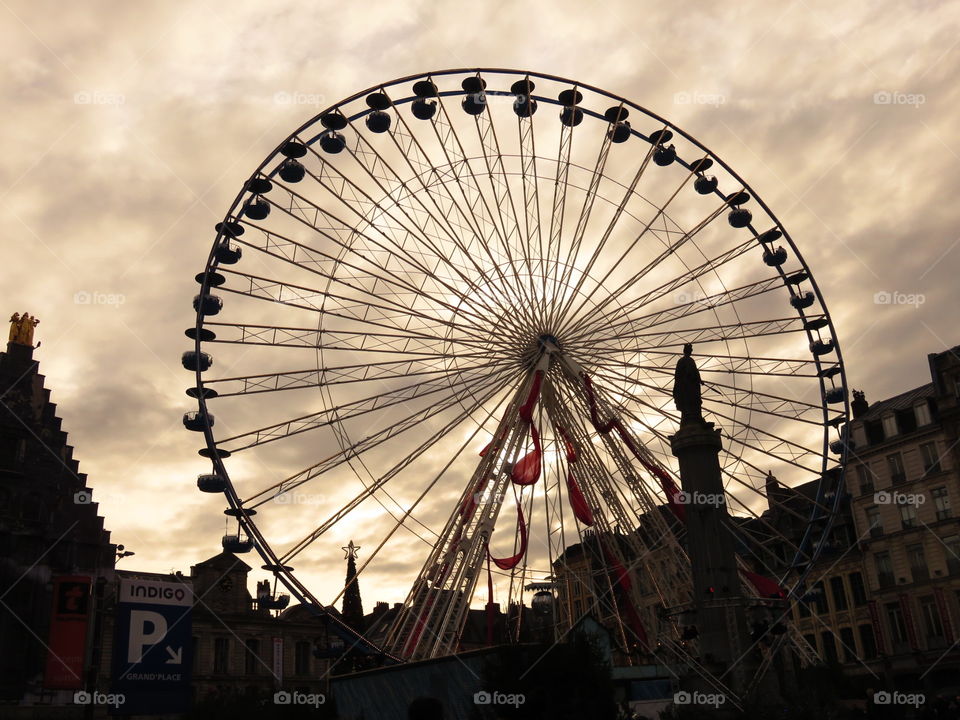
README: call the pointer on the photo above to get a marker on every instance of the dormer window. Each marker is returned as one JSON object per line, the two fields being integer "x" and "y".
{"x": 922, "y": 412}
{"x": 889, "y": 426}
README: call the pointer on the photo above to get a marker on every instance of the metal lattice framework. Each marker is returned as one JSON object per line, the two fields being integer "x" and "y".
{"x": 447, "y": 281}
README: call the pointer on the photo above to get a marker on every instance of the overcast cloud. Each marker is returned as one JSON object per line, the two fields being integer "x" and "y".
{"x": 129, "y": 128}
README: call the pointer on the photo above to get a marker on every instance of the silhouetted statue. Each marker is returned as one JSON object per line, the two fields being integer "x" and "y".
{"x": 21, "y": 329}
{"x": 14, "y": 327}
{"x": 686, "y": 388}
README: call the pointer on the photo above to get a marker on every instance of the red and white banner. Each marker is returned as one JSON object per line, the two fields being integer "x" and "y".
{"x": 877, "y": 628}
{"x": 67, "y": 644}
{"x": 944, "y": 614}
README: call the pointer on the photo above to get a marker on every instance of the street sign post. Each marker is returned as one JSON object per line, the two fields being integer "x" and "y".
{"x": 152, "y": 646}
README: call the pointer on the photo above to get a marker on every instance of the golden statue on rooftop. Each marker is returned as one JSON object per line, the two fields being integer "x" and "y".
{"x": 21, "y": 329}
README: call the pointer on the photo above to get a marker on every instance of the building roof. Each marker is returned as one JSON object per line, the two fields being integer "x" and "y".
{"x": 223, "y": 559}
{"x": 898, "y": 402}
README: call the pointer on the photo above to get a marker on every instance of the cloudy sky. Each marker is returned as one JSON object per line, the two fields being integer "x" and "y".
{"x": 129, "y": 129}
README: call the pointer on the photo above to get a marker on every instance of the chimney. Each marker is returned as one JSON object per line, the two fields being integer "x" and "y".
{"x": 859, "y": 405}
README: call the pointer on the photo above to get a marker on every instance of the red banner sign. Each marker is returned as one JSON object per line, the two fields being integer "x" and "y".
{"x": 944, "y": 614}
{"x": 67, "y": 643}
{"x": 908, "y": 622}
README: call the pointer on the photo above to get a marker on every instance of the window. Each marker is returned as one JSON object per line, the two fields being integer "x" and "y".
{"x": 301, "y": 657}
{"x": 918, "y": 563}
{"x": 931, "y": 618}
{"x": 884, "y": 569}
{"x": 908, "y": 515}
{"x": 895, "y": 465}
{"x": 952, "y": 552}
{"x": 221, "y": 655}
{"x": 820, "y": 598}
{"x": 865, "y": 478}
{"x": 252, "y": 662}
{"x": 931, "y": 459}
{"x": 859, "y": 435}
{"x": 829, "y": 647}
{"x": 867, "y": 642}
{"x": 838, "y": 593}
{"x": 923, "y": 414}
{"x": 874, "y": 431}
{"x": 889, "y": 426}
{"x": 906, "y": 421}
{"x": 857, "y": 589}
{"x": 941, "y": 502}
{"x": 848, "y": 646}
{"x": 873, "y": 521}
{"x": 898, "y": 631}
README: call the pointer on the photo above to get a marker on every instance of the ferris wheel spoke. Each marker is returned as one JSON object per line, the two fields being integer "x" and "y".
{"x": 666, "y": 288}
{"x": 354, "y": 409}
{"x": 693, "y": 307}
{"x": 371, "y": 489}
{"x": 732, "y": 437}
{"x": 729, "y": 364}
{"x": 389, "y": 226}
{"x": 349, "y": 342}
{"x": 337, "y": 375}
{"x": 671, "y": 249}
{"x": 700, "y": 336}
{"x": 433, "y": 222}
{"x": 356, "y": 449}
{"x": 531, "y": 201}
{"x": 766, "y": 403}
{"x": 384, "y": 315}
{"x": 388, "y": 283}
{"x": 444, "y": 201}
{"x": 590, "y": 196}
{"x": 395, "y": 344}
{"x": 506, "y": 212}
{"x": 475, "y": 198}
{"x": 733, "y": 397}
{"x": 558, "y": 206}
{"x": 601, "y": 244}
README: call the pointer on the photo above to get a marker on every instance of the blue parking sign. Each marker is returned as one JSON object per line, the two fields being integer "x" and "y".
{"x": 152, "y": 647}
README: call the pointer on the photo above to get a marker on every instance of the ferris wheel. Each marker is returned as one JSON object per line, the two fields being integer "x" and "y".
{"x": 443, "y": 317}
